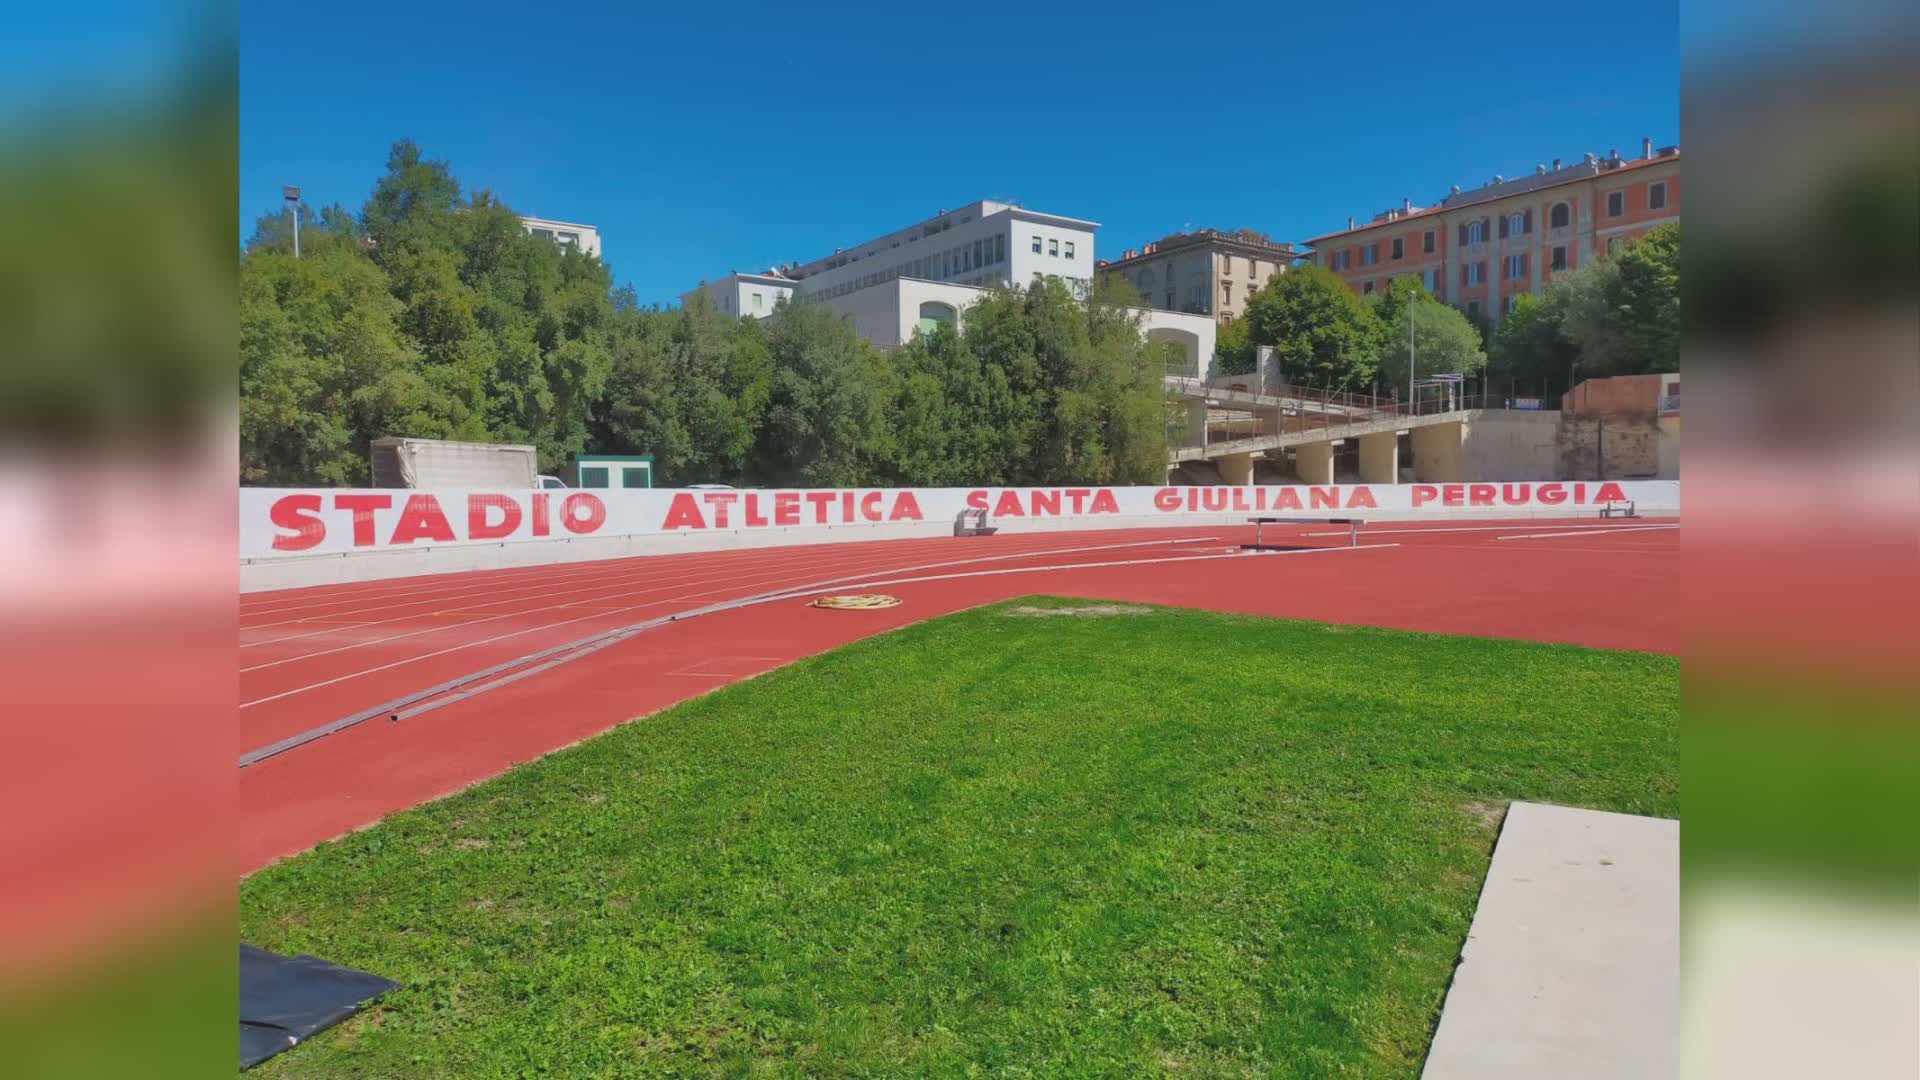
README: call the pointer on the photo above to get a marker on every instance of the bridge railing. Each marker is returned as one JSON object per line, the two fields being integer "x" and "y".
{"x": 1292, "y": 409}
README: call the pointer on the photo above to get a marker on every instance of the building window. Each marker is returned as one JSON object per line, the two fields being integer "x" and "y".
{"x": 1053, "y": 248}
{"x": 1559, "y": 216}
{"x": 1366, "y": 288}
{"x": 1516, "y": 267}
{"x": 1616, "y": 203}
{"x": 1473, "y": 310}
{"x": 1507, "y": 305}
{"x": 1560, "y": 257}
{"x": 1226, "y": 292}
{"x": 1426, "y": 242}
{"x": 1399, "y": 248}
{"x": 1657, "y": 196}
{"x": 1069, "y": 249}
{"x": 756, "y": 301}
{"x": 1431, "y": 279}
{"x": 1476, "y": 233}
{"x": 1517, "y": 224}
{"x": 1000, "y": 248}
{"x": 1036, "y": 245}
{"x": 1473, "y": 273}
{"x": 1370, "y": 255}
{"x": 1226, "y": 266}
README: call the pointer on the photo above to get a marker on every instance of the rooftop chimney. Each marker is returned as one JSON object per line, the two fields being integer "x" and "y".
{"x": 1498, "y": 179}
{"x": 1646, "y": 148}
{"x": 1455, "y": 190}
{"x": 1613, "y": 154}
{"x": 1556, "y": 164}
{"x": 1406, "y": 205}
{"x": 1590, "y": 157}
{"x": 1349, "y": 224}
{"x": 1539, "y": 170}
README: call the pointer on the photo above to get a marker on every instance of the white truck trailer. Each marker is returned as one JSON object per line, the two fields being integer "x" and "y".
{"x": 442, "y": 463}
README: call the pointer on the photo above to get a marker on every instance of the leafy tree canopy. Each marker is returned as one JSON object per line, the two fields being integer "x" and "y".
{"x": 1323, "y": 335}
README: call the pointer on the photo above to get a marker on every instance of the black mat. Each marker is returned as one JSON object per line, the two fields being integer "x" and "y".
{"x": 284, "y": 999}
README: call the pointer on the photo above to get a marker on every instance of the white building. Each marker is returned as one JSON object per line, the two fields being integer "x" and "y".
{"x": 745, "y": 294}
{"x": 565, "y": 233}
{"x": 983, "y": 243}
{"x": 932, "y": 271}
{"x": 890, "y": 313}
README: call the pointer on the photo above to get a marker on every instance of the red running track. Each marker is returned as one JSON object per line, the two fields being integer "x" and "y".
{"x": 310, "y": 656}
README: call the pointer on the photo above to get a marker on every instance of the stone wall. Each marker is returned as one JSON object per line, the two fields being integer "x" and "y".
{"x": 1620, "y": 447}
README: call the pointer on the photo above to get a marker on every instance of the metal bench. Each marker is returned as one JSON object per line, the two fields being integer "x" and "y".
{"x": 1352, "y": 524}
{"x": 1616, "y": 508}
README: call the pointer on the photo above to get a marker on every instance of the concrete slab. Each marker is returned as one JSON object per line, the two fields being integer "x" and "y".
{"x": 1571, "y": 969}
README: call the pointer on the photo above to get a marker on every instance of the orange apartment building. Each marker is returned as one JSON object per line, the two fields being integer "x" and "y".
{"x": 1479, "y": 249}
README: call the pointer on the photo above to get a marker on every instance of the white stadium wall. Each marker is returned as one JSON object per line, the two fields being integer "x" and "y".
{"x": 291, "y": 538}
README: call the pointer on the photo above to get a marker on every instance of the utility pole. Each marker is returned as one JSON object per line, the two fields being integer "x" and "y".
{"x": 1411, "y": 297}
{"x": 292, "y": 195}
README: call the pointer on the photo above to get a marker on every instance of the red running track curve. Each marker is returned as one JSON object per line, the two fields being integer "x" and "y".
{"x": 310, "y": 656}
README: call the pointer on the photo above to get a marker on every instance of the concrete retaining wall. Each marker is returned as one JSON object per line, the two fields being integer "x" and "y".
{"x": 301, "y": 571}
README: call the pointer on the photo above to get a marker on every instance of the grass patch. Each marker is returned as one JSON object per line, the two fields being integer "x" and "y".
{"x": 1177, "y": 843}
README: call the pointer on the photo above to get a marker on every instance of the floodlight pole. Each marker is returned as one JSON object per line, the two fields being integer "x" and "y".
{"x": 292, "y": 195}
{"x": 1411, "y": 297}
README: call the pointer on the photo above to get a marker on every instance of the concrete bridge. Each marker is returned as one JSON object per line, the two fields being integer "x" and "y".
{"x": 1312, "y": 424}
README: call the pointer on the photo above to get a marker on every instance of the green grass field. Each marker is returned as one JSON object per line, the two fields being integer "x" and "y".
{"x": 994, "y": 844}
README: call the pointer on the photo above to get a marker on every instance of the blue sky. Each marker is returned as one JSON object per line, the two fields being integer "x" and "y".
{"x": 706, "y": 138}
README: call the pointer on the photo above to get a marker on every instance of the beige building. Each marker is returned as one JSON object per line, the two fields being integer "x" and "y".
{"x": 1205, "y": 272}
{"x": 1481, "y": 248}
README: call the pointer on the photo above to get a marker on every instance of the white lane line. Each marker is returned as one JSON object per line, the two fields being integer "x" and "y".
{"x": 1556, "y": 549}
{"x": 512, "y": 580}
{"x": 678, "y": 568}
{"x": 1084, "y": 566}
{"x": 1472, "y": 528}
{"x": 431, "y": 655}
{"x": 1587, "y": 532}
{"x": 651, "y": 603}
{"x": 608, "y": 593}
{"x": 603, "y": 585}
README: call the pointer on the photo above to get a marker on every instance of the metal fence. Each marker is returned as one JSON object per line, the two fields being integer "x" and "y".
{"x": 1290, "y": 409}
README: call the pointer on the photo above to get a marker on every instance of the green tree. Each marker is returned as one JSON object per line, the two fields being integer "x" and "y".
{"x": 323, "y": 368}
{"x": 1233, "y": 348}
{"x": 1624, "y": 312}
{"x": 1530, "y": 353}
{"x": 1322, "y": 334}
{"x": 1444, "y": 341}
{"x": 826, "y": 412}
